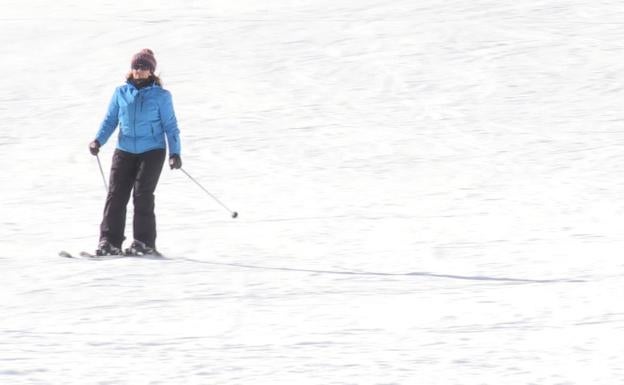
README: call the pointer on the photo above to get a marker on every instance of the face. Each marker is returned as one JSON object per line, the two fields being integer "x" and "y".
{"x": 140, "y": 73}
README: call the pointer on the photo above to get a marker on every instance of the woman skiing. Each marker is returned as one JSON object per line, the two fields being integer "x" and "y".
{"x": 143, "y": 110}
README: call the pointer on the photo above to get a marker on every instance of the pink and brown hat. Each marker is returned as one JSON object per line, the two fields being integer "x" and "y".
{"x": 144, "y": 60}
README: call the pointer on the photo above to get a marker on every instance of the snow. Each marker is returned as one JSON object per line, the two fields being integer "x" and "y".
{"x": 428, "y": 192}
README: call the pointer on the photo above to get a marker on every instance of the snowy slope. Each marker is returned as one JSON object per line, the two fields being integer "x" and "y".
{"x": 429, "y": 193}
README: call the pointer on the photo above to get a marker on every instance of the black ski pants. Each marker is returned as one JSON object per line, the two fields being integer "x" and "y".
{"x": 139, "y": 174}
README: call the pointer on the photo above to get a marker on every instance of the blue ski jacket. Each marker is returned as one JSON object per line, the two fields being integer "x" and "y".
{"x": 145, "y": 117}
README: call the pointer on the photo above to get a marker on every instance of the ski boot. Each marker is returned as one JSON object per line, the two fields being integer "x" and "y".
{"x": 107, "y": 248}
{"x": 139, "y": 248}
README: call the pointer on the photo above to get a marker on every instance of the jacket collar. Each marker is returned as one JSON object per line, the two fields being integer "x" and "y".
{"x": 151, "y": 83}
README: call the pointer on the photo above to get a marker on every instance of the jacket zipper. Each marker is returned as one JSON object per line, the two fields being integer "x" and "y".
{"x": 134, "y": 128}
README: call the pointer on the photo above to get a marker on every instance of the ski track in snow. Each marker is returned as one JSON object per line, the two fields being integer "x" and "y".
{"x": 429, "y": 193}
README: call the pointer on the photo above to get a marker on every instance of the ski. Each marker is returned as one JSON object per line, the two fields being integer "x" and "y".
{"x": 65, "y": 254}
{"x": 93, "y": 257}
{"x": 87, "y": 255}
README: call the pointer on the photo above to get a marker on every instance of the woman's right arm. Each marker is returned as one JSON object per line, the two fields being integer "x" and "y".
{"x": 111, "y": 119}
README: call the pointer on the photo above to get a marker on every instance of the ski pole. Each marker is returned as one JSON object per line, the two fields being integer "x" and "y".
{"x": 102, "y": 172}
{"x": 233, "y": 213}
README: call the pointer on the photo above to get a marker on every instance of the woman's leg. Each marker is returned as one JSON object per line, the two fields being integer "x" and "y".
{"x": 149, "y": 169}
{"x": 122, "y": 176}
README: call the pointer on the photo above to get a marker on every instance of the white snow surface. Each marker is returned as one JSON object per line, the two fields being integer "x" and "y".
{"x": 430, "y": 192}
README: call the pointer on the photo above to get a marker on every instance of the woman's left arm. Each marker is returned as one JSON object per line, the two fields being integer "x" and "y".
{"x": 170, "y": 123}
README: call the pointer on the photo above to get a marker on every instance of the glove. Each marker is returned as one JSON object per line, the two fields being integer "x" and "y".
{"x": 94, "y": 147}
{"x": 175, "y": 161}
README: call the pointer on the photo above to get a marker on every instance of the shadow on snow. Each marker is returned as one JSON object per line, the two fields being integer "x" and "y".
{"x": 410, "y": 274}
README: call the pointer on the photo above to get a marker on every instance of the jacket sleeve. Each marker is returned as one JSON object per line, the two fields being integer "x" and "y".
{"x": 170, "y": 123}
{"x": 111, "y": 119}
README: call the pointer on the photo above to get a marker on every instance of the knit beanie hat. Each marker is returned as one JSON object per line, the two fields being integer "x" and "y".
{"x": 144, "y": 59}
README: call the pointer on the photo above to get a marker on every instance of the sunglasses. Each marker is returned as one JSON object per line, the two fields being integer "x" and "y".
{"x": 140, "y": 67}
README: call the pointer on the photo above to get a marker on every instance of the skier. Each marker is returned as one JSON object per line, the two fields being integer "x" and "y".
{"x": 144, "y": 112}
